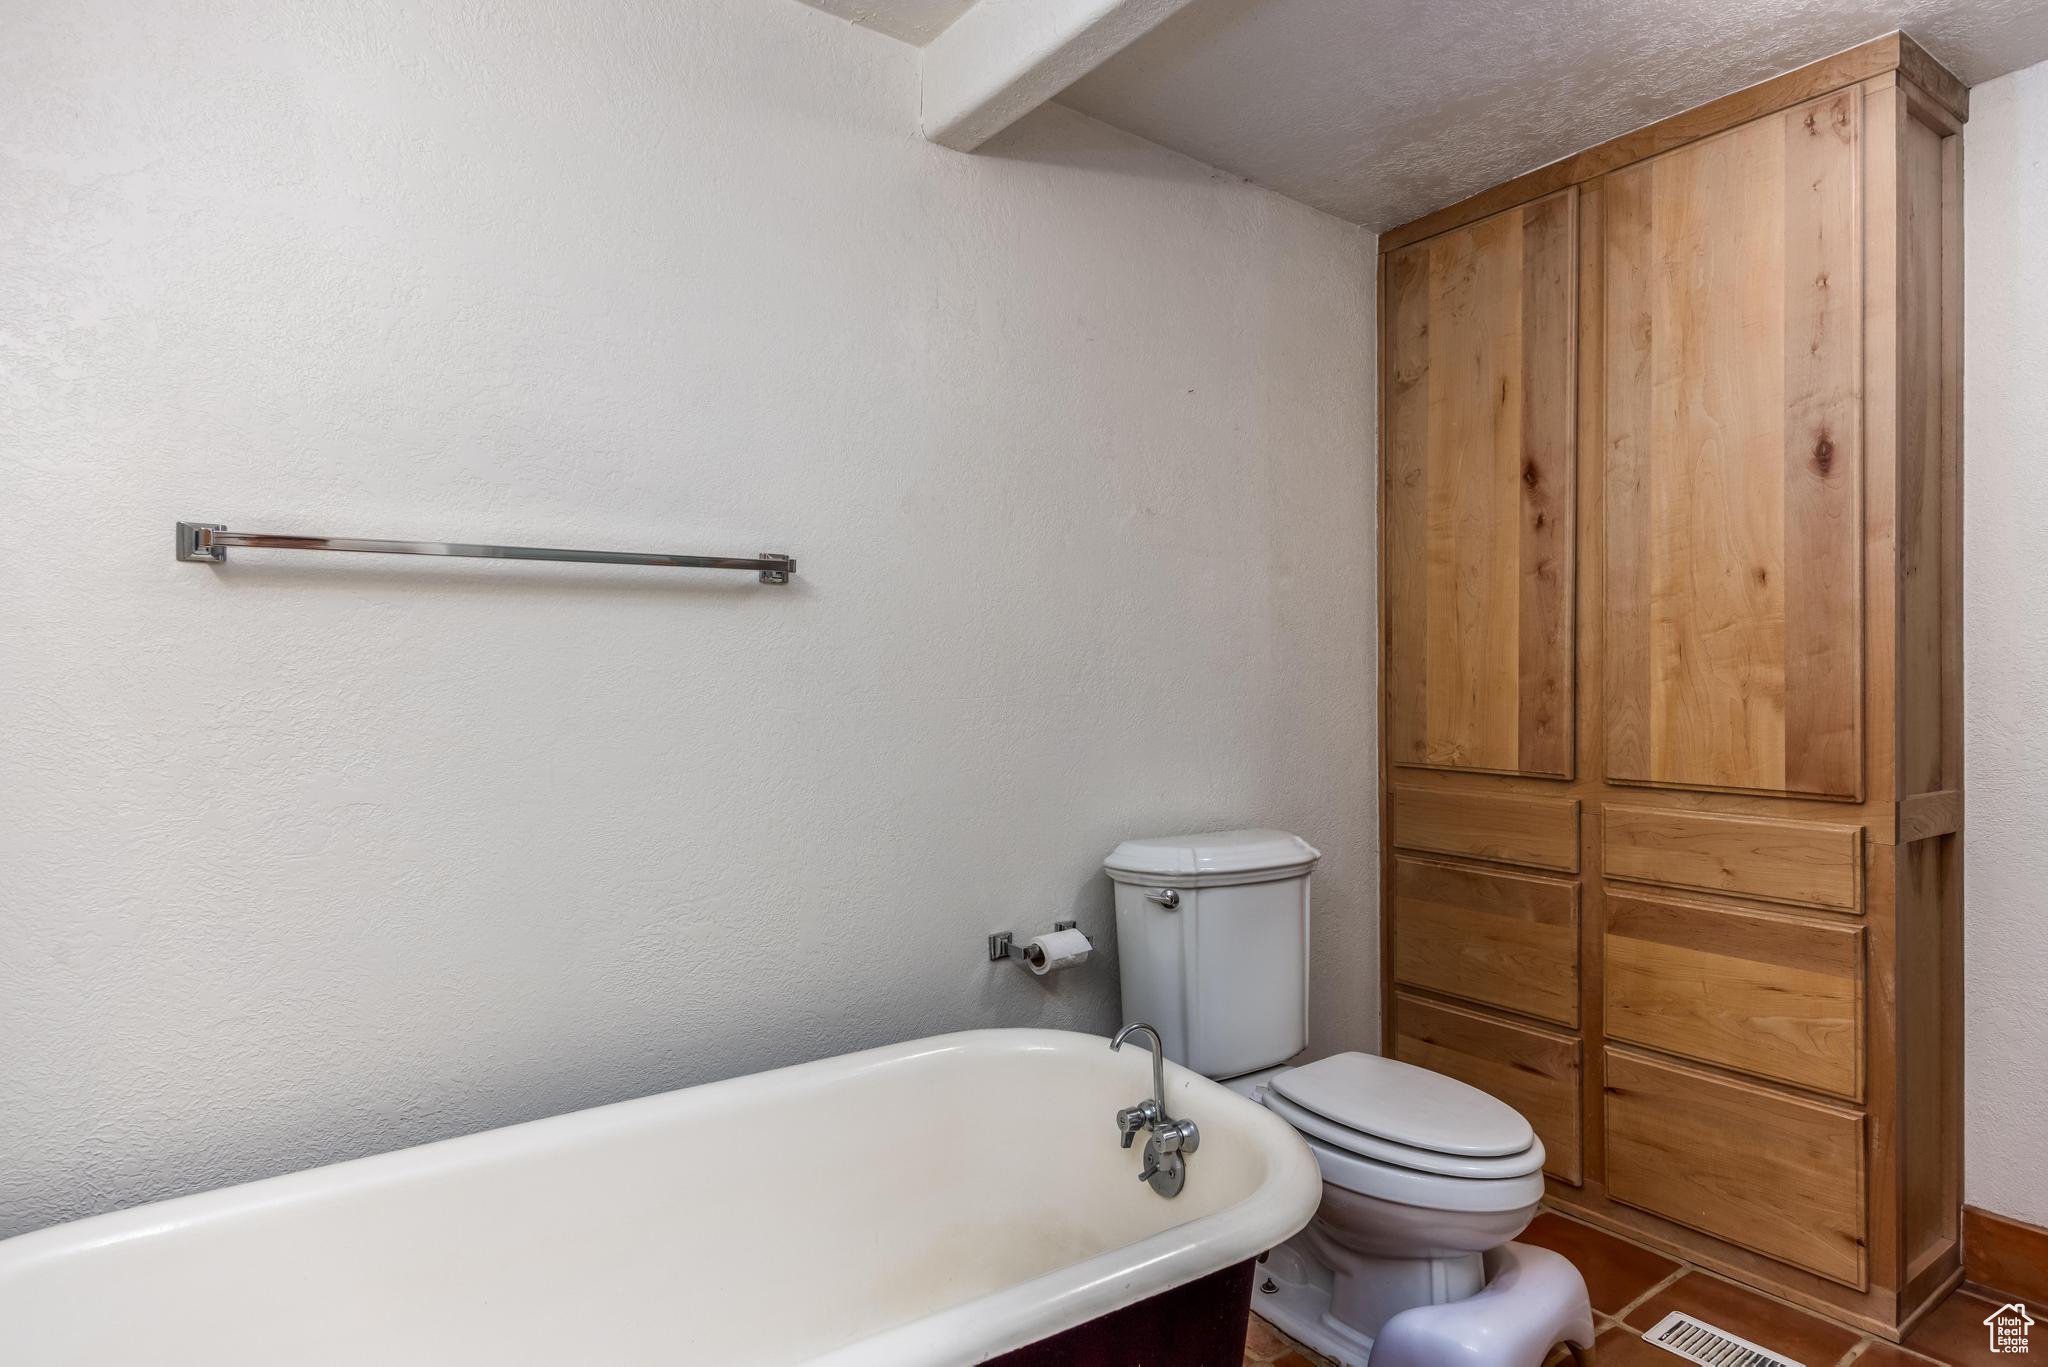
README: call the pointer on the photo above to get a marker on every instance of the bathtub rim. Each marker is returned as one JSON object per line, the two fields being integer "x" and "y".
{"x": 986, "y": 1326}
{"x": 1020, "y": 1315}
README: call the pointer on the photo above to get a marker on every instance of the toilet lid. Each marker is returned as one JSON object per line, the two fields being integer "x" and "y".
{"x": 1406, "y": 1105}
{"x": 1381, "y": 1153}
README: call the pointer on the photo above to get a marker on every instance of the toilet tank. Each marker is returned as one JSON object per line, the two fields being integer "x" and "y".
{"x": 1212, "y": 945}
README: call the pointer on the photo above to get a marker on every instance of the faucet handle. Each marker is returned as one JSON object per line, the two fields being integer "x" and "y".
{"x": 1175, "y": 1136}
{"x": 1132, "y": 1119}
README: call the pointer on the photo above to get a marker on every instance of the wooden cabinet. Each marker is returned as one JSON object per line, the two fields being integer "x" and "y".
{"x": 1541, "y": 832}
{"x": 1760, "y": 1168}
{"x": 1806, "y": 863}
{"x": 1734, "y": 458}
{"x": 1773, "y": 996}
{"x": 1506, "y": 939}
{"x": 1479, "y": 445}
{"x": 1671, "y": 853}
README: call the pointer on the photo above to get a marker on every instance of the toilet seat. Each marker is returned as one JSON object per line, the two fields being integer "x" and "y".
{"x": 1403, "y": 1134}
{"x": 1371, "y": 1147}
{"x": 1400, "y": 1104}
{"x": 1426, "y": 1190}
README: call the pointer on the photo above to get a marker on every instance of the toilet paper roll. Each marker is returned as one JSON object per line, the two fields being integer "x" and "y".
{"x": 1058, "y": 949}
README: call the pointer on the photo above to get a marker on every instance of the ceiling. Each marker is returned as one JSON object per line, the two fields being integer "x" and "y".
{"x": 916, "y": 22}
{"x": 1380, "y": 110}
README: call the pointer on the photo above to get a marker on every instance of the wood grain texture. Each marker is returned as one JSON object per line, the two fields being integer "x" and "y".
{"x": 1803, "y": 863}
{"x": 1924, "y": 816}
{"x": 1923, "y": 527}
{"x": 1535, "y": 1071}
{"x": 1892, "y": 52}
{"x": 1404, "y": 510}
{"x": 1768, "y": 1171}
{"x": 2005, "y": 1255}
{"x": 1937, "y": 82}
{"x": 1479, "y": 327}
{"x": 1929, "y": 992}
{"x": 1540, "y": 832}
{"x": 1504, "y": 939}
{"x": 1882, "y": 102}
{"x": 1547, "y": 509}
{"x": 1762, "y": 994}
{"x": 1733, "y": 401}
{"x": 1747, "y": 987}
{"x": 1882, "y": 107}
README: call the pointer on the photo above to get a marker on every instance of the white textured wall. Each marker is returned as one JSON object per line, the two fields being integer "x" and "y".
{"x": 314, "y": 856}
{"x": 2005, "y": 643}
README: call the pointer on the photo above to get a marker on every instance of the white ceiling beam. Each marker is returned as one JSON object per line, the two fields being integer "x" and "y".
{"x": 1004, "y": 58}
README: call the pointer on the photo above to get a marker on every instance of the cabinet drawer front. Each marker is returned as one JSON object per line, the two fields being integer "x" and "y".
{"x": 1534, "y": 1071}
{"x": 1774, "y": 1173}
{"x": 1542, "y": 832}
{"x": 1507, "y": 939}
{"x": 1750, "y": 991}
{"x": 1804, "y": 863}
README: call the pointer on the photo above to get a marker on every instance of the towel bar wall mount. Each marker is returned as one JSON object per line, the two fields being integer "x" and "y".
{"x": 208, "y": 542}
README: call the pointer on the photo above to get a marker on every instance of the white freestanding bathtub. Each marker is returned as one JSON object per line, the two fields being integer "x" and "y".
{"x": 941, "y": 1201}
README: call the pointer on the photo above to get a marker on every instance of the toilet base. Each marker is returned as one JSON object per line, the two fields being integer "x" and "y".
{"x": 1533, "y": 1300}
{"x": 1299, "y": 1305}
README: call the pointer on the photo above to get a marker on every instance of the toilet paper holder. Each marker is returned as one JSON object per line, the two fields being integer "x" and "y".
{"x": 1003, "y": 945}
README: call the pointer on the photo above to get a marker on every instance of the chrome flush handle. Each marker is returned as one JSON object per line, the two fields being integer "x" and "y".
{"x": 1165, "y": 897}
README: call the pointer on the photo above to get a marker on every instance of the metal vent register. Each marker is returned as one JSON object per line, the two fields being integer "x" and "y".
{"x": 1697, "y": 1341}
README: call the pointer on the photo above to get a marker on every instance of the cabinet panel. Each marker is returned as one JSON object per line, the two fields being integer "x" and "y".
{"x": 1734, "y": 459}
{"x": 1534, "y": 1071}
{"x": 1509, "y": 940}
{"x": 1542, "y": 832}
{"x": 1480, "y": 401}
{"x": 1763, "y": 994}
{"x": 1774, "y": 1173}
{"x": 1805, "y": 863}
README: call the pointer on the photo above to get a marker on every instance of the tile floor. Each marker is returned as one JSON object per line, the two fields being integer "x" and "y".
{"x": 1632, "y": 1288}
{"x": 1267, "y": 1345}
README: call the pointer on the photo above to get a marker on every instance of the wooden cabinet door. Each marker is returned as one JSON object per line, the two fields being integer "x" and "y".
{"x": 1733, "y": 459}
{"x": 1480, "y": 326}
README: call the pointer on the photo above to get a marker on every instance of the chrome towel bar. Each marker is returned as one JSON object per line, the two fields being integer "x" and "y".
{"x": 208, "y": 541}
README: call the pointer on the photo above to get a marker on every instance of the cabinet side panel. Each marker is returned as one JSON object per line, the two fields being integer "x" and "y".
{"x": 1924, "y": 553}
{"x": 1929, "y": 1053}
{"x": 1929, "y": 911}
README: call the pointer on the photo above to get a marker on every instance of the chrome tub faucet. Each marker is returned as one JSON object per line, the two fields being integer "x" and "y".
{"x": 1165, "y": 1167}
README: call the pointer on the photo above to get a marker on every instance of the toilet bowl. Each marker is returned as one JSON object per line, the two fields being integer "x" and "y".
{"x": 1425, "y": 1179}
{"x": 1423, "y": 1176}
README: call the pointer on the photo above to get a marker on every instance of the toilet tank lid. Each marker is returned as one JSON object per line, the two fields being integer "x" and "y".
{"x": 1403, "y": 1104}
{"x": 1219, "y": 856}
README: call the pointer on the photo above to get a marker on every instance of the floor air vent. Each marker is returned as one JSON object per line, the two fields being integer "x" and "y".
{"x": 1697, "y": 1341}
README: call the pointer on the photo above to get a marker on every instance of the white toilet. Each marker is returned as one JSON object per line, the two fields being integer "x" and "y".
{"x": 1423, "y": 1176}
